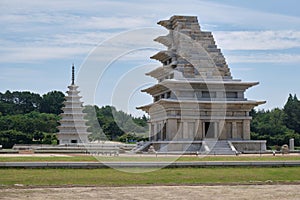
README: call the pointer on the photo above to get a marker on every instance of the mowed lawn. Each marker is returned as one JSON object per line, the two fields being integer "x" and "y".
{"x": 175, "y": 176}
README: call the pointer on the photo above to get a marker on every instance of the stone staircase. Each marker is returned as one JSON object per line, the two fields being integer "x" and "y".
{"x": 218, "y": 147}
{"x": 209, "y": 147}
{"x": 140, "y": 148}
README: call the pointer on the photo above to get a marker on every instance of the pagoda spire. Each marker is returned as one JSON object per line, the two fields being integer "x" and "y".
{"x": 73, "y": 74}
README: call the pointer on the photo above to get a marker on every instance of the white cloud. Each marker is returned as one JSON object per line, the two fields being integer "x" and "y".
{"x": 258, "y": 40}
{"x": 60, "y": 29}
{"x": 76, "y": 39}
{"x": 222, "y": 14}
{"x": 18, "y": 73}
{"x": 81, "y": 44}
{"x": 137, "y": 13}
{"x": 75, "y": 44}
{"x": 264, "y": 58}
{"x": 103, "y": 23}
{"x": 49, "y": 32}
{"x": 60, "y": 22}
{"x": 36, "y": 54}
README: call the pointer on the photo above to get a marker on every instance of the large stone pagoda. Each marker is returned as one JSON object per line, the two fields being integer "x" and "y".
{"x": 72, "y": 129}
{"x": 197, "y": 105}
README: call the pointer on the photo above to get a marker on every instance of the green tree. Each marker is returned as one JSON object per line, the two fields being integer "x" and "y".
{"x": 30, "y": 122}
{"x": 112, "y": 130}
{"x": 108, "y": 122}
{"x": 52, "y": 102}
{"x": 132, "y": 137}
{"x": 38, "y": 136}
{"x": 292, "y": 111}
{"x": 19, "y": 102}
{"x": 47, "y": 139}
{"x": 94, "y": 124}
{"x": 141, "y": 121}
{"x": 11, "y": 137}
{"x": 270, "y": 126}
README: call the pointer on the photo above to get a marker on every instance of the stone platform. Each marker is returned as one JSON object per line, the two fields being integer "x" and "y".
{"x": 208, "y": 146}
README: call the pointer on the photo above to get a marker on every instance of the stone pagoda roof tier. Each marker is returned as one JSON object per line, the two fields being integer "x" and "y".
{"x": 172, "y": 84}
{"x": 160, "y": 71}
{"x": 72, "y": 112}
{"x": 162, "y": 56}
{"x": 174, "y": 20}
{"x": 73, "y": 95}
{"x": 249, "y": 104}
{"x": 73, "y": 87}
{"x": 72, "y": 104}
{"x": 165, "y": 40}
{"x": 71, "y": 123}
{"x": 72, "y": 108}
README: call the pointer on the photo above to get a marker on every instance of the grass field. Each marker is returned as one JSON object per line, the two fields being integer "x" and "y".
{"x": 177, "y": 176}
{"x": 148, "y": 158}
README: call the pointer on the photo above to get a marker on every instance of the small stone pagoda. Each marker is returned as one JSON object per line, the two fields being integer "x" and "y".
{"x": 197, "y": 105}
{"x": 72, "y": 129}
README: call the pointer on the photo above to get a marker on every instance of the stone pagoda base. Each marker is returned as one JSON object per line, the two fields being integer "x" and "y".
{"x": 206, "y": 147}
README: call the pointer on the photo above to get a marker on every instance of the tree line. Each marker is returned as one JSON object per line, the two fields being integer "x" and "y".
{"x": 12, "y": 103}
{"x": 30, "y": 118}
{"x": 277, "y": 126}
{"x": 106, "y": 123}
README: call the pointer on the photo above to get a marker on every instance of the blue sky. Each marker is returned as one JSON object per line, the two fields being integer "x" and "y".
{"x": 41, "y": 39}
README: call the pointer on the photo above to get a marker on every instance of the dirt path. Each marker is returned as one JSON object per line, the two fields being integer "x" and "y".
{"x": 257, "y": 192}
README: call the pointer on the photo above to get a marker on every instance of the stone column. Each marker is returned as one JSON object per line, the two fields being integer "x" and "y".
{"x": 234, "y": 130}
{"x": 185, "y": 134}
{"x": 216, "y": 129}
{"x": 292, "y": 144}
{"x": 155, "y": 132}
{"x": 179, "y": 133}
{"x": 246, "y": 129}
{"x": 161, "y": 124}
{"x": 150, "y": 132}
{"x": 171, "y": 129}
{"x": 199, "y": 130}
{"x": 222, "y": 130}
{"x": 203, "y": 130}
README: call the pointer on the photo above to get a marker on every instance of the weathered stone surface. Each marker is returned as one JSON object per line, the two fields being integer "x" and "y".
{"x": 187, "y": 41}
{"x": 196, "y": 97}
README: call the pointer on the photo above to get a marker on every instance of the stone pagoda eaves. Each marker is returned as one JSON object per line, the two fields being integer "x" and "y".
{"x": 169, "y": 24}
{"x": 162, "y": 56}
{"x": 221, "y": 104}
{"x": 160, "y": 71}
{"x": 172, "y": 84}
{"x": 165, "y": 40}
